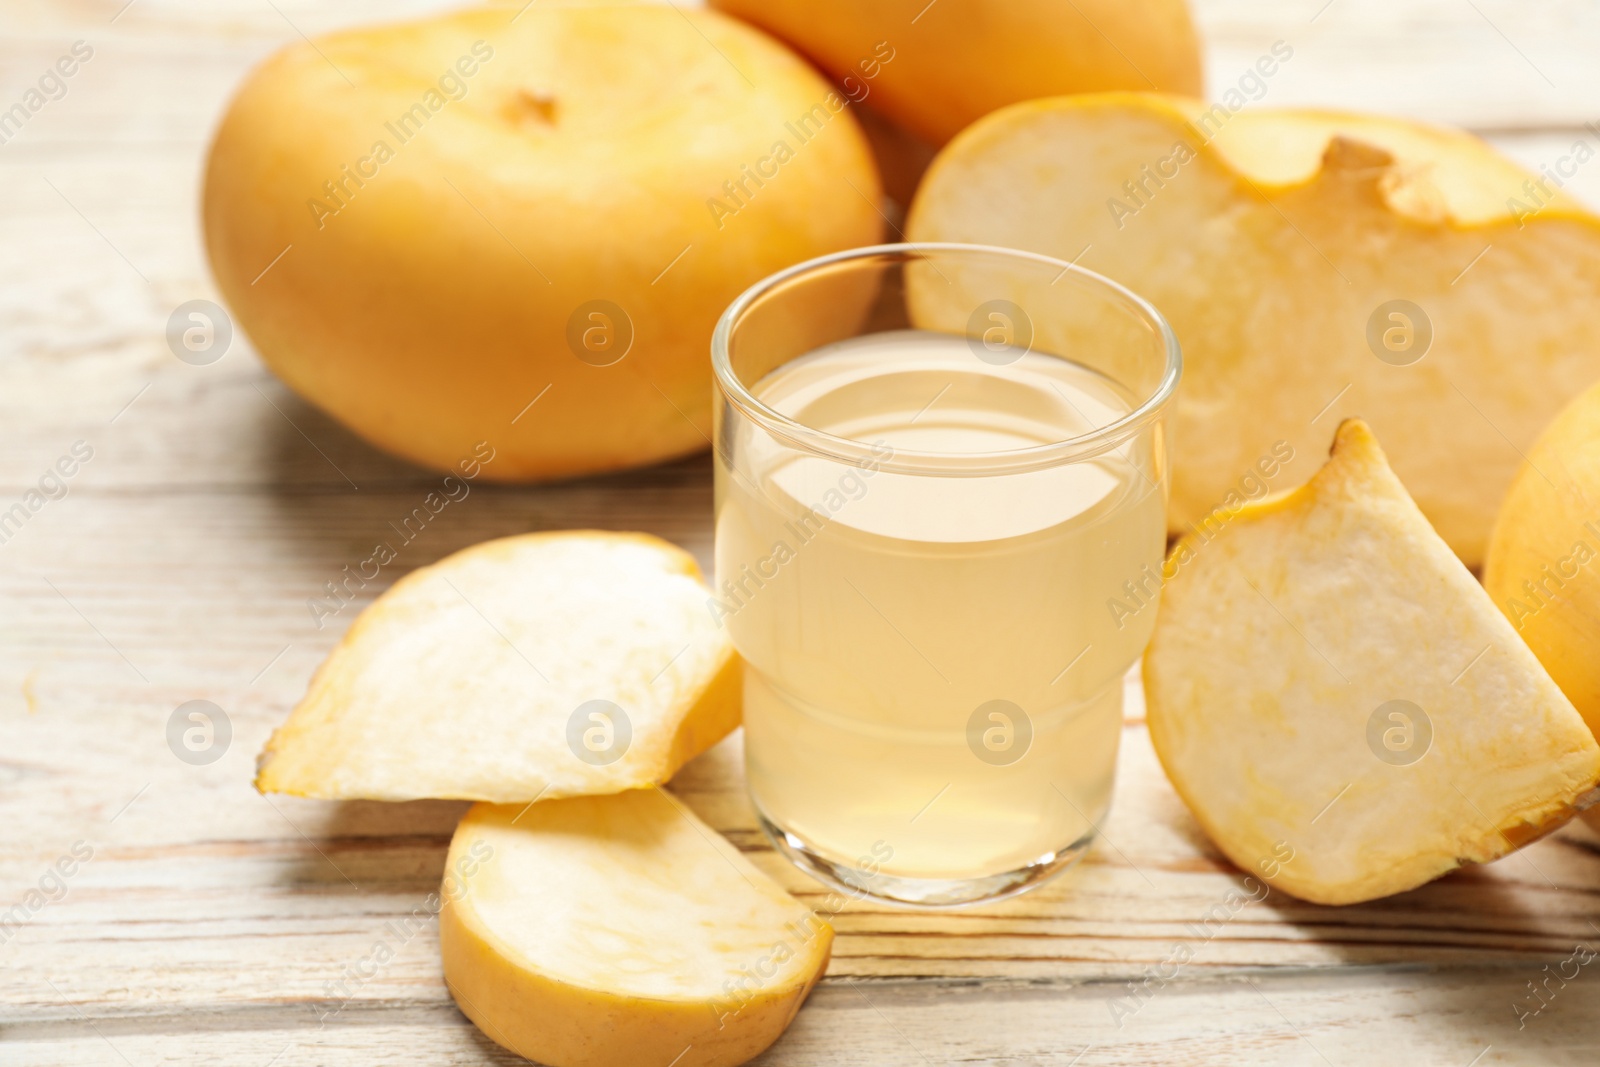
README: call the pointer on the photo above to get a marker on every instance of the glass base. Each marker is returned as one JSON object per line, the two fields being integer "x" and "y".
{"x": 924, "y": 893}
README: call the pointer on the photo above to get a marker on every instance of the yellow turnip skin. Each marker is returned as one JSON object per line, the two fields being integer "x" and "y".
{"x": 424, "y": 228}
{"x": 1543, "y": 566}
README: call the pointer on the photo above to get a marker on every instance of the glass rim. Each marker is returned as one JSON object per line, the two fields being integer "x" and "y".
{"x": 907, "y": 461}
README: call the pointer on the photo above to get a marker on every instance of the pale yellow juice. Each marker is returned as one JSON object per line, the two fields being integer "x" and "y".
{"x": 882, "y": 615}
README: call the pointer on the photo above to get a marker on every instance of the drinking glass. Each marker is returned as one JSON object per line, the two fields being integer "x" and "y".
{"x": 941, "y": 484}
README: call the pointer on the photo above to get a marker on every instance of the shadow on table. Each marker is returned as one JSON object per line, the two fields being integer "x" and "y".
{"x": 366, "y": 846}
{"x": 339, "y": 498}
{"x": 1527, "y": 908}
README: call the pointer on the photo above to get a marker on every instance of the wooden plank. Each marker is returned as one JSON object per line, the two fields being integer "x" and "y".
{"x": 1488, "y": 64}
{"x": 1306, "y": 1018}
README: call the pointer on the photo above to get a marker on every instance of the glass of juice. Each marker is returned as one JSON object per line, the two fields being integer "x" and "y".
{"x": 941, "y": 481}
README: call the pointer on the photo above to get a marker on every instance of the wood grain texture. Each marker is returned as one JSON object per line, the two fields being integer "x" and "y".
{"x": 210, "y": 922}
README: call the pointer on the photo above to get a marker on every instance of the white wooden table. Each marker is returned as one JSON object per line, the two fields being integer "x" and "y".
{"x": 208, "y": 921}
